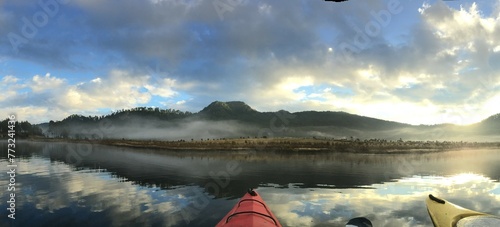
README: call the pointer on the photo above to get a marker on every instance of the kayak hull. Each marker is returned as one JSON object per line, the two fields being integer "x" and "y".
{"x": 446, "y": 214}
{"x": 251, "y": 210}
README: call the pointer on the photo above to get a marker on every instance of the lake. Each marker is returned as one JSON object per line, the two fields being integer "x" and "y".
{"x": 65, "y": 184}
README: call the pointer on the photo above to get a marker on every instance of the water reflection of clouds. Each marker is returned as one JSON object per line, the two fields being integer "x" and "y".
{"x": 130, "y": 196}
{"x": 52, "y": 188}
{"x": 399, "y": 203}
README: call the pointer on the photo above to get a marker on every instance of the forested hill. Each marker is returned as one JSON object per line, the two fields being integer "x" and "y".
{"x": 21, "y": 129}
{"x": 235, "y": 119}
{"x": 242, "y": 112}
{"x": 79, "y": 126}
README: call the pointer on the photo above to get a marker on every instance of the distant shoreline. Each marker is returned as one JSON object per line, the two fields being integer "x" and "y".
{"x": 305, "y": 145}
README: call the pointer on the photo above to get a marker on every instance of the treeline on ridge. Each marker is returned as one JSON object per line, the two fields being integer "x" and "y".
{"x": 76, "y": 122}
{"x": 21, "y": 129}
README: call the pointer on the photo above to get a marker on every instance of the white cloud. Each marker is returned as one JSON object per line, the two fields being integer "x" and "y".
{"x": 162, "y": 87}
{"x": 283, "y": 93}
{"x": 7, "y": 94}
{"x": 447, "y": 60}
{"x": 119, "y": 89}
{"x": 44, "y": 83}
{"x": 29, "y": 113}
{"x": 9, "y": 86}
{"x": 454, "y": 73}
{"x": 9, "y": 79}
{"x": 96, "y": 80}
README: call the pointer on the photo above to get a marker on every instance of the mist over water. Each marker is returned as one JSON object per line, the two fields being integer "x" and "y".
{"x": 111, "y": 186}
{"x": 203, "y": 129}
{"x": 186, "y": 130}
{"x": 153, "y": 129}
{"x": 236, "y": 119}
{"x": 198, "y": 128}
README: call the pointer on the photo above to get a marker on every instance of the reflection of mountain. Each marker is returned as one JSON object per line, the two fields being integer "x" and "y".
{"x": 171, "y": 169}
{"x": 236, "y": 119}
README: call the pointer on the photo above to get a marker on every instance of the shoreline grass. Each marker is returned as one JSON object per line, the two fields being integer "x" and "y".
{"x": 289, "y": 144}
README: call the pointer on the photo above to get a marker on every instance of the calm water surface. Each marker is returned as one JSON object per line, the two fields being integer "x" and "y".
{"x": 62, "y": 184}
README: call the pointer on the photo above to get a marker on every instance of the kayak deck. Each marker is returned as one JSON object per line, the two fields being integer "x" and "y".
{"x": 446, "y": 214}
{"x": 251, "y": 210}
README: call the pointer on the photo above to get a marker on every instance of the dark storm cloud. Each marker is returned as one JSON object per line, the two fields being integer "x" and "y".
{"x": 189, "y": 41}
{"x": 173, "y": 32}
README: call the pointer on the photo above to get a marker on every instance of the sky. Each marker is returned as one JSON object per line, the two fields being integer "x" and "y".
{"x": 417, "y": 62}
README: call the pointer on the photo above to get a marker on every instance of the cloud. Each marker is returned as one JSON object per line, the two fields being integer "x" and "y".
{"x": 442, "y": 58}
{"x": 162, "y": 88}
{"x": 176, "y": 30}
{"x": 8, "y": 87}
{"x": 445, "y": 64}
{"x": 31, "y": 113}
{"x": 119, "y": 90}
{"x": 40, "y": 84}
{"x": 50, "y": 98}
{"x": 9, "y": 79}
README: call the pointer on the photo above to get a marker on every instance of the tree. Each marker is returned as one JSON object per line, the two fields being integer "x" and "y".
{"x": 65, "y": 134}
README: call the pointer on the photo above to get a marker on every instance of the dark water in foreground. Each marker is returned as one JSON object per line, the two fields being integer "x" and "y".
{"x": 91, "y": 185}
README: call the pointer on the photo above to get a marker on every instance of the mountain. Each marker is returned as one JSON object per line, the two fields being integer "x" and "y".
{"x": 342, "y": 119}
{"x": 490, "y": 125}
{"x": 237, "y": 110}
{"x": 227, "y": 110}
{"x": 236, "y": 119}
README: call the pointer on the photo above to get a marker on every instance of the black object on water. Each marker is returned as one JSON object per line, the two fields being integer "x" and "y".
{"x": 359, "y": 222}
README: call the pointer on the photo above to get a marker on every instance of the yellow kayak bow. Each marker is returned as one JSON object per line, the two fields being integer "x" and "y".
{"x": 446, "y": 214}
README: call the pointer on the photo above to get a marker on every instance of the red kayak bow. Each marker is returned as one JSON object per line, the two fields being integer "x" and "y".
{"x": 251, "y": 210}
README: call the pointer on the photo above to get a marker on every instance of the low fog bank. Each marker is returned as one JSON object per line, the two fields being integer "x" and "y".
{"x": 159, "y": 130}
{"x": 236, "y": 119}
{"x": 416, "y": 133}
{"x": 195, "y": 128}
